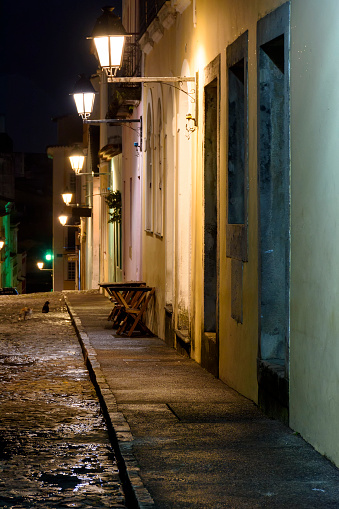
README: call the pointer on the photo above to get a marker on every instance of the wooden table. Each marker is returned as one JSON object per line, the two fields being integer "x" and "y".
{"x": 113, "y": 287}
{"x": 131, "y": 301}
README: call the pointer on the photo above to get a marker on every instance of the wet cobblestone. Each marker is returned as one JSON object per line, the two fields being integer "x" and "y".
{"x": 54, "y": 446}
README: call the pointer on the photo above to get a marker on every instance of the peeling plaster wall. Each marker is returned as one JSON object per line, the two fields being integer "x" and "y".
{"x": 314, "y": 362}
{"x": 183, "y": 209}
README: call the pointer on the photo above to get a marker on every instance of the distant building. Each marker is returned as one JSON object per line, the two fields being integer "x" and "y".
{"x": 10, "y": 267}
{"x": 65, "y": 238}
{"x": 33, "y": 213}
{"x": 25, "y": 216}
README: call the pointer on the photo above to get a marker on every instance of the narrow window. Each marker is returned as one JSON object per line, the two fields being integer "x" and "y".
{"x": 70, "y": 239}
{"x": 159, "y": 175}
{"x": 149, "y": 173}
{"x": 236, "y": 142}
{"x": 211, "y": 214}
{"x": 71, "y": 271}
{"x": 237, "y": 173}
{"x": 72, "y": 182}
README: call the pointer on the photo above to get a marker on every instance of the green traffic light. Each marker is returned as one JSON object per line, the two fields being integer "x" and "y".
{"x": 49, "y": 256}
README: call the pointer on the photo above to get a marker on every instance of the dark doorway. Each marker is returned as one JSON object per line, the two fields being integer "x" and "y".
{"x": 274, "y": 193}
{"x": 210, "y": 347}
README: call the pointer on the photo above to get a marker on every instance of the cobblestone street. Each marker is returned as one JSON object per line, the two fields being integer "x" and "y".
{"x": 54, "y": 446}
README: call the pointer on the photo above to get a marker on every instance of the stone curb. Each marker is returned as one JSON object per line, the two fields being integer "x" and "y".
{"x": 137, "y": 496}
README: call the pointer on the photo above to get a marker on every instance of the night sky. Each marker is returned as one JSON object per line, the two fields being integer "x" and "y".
{"x": 43, "y": 48}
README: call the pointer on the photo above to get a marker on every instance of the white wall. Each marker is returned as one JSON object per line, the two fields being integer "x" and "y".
{"x": 314, "y": 363}
{"x": 131, "y": 196}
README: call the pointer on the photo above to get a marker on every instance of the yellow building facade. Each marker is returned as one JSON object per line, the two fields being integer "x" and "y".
{"x": 238, "y": 210}
{"x": 203, "y": 262}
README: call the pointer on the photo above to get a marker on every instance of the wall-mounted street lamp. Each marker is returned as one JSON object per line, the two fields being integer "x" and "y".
{"x": 77, "y": 159}
{"x": 2, "y": 243}
{"x": 63, "y": 219}
{"x": 67, "y": 196}
{"x": 84, "y": 95}
{"x": 76, "y": 212}
{"x": 109, "y": 38}
{"x": 41, "y": 266}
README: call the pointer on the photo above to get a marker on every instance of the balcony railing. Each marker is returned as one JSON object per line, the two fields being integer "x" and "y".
{"x": 131, "y": 65}
{"x": 148, "y": 11}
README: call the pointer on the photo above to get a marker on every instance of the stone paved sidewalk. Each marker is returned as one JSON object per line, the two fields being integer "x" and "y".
{"x": 186, "y": 439}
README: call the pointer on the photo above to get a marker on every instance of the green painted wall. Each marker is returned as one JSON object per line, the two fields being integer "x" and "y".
{"x": 314, "y": 345}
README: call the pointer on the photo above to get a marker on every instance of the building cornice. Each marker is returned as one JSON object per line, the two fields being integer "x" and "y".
{"x": 164, "y": 20}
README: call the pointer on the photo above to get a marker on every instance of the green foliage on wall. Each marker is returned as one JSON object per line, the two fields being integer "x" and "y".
{"x": 113, "y": 201}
